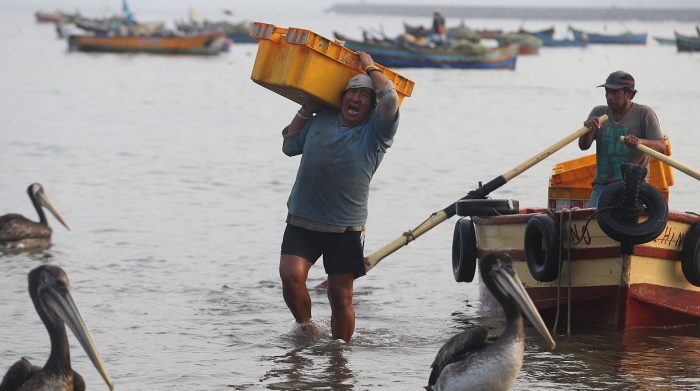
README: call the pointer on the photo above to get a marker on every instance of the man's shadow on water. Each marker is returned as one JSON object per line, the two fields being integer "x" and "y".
{"x": 317, "y": 366}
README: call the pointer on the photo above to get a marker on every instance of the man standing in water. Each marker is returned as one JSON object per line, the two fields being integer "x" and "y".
{"x": 341, "y": 149}
{"x": 637, "y": 123}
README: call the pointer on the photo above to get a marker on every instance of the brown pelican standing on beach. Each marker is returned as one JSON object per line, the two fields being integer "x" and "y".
{"x": 468, "y": 361}
{"x": 19, "y": 233}
{"x": 49, "y": 289}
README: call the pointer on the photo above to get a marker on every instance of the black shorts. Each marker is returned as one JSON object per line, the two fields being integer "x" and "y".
{"x": 343, "y": 253}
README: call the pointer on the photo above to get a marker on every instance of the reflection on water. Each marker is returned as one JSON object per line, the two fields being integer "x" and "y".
{"x": 314, "y": 362}
{"x": 598, "y": 360}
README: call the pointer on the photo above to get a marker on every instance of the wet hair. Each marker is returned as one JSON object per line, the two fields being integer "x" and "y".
{"x": 372, "y": 99}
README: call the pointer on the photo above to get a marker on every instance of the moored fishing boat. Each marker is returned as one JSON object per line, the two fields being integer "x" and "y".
{"x": 573, "y": 268}
{"x": 55, "y": 17}
{"x": 406, "y": 55}
{"x": 563, "y": 42}
{"x": 529, "y": 44}
{"x": 664, "y": 40}
{"x": 626, "y": 38}
{"x": 200, "y": 44}
{"x": 687, "y": 43}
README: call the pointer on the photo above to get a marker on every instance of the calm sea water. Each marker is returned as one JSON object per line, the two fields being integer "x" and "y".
{"x": 170, "y": 174}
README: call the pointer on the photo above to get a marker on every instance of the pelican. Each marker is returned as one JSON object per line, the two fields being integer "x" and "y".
{"x": 49, "y": 289}
{"x": 17, "y": 232}
{"x": 468, "y": 361}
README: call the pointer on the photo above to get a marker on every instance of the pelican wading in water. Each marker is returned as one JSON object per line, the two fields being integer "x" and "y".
{"x": 19, "y": 233}
{"x": 468, "y": 361}
{"x": 49, "y": 289}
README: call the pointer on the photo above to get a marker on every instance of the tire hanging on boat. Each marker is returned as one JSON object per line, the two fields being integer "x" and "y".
{"x": 542, "y": 247}
{"x": 464, "y": 251}
{"x": 690, "y": 255}
{"x": 486, "y": 207}
{"x": 613, "y": 222}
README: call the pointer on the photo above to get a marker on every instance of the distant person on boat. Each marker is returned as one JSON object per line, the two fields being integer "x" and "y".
{"x": 327, "y": 209}
{"x": 638, "y": 123}
{"x": 439, "y": 31}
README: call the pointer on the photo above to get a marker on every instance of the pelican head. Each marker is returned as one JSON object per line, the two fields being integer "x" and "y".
{"x": 472, "y": 361}
{"x": 40, "y": 199}
{"x": 50, "y": 292}
{"x": 503, "y": 282}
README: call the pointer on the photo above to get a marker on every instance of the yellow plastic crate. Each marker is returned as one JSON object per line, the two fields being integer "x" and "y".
{"x": 574, "y": 173}
{"x": 570, "y": 182}
{"x": 299, "y": 64}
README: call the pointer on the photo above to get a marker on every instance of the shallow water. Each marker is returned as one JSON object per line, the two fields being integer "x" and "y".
{"x": 170, "y": 174}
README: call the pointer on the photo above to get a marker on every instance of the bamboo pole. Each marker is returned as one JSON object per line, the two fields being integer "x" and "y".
{"x": 660, "y": 156}
{"x": 438, "y": 217}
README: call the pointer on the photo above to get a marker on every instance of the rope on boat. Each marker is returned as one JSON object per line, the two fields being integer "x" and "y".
{"x": 569, "y": 293}
{"x": 569, "y": 245}
{"x": 556, "y": 317}
{"x": 409, "y": 234}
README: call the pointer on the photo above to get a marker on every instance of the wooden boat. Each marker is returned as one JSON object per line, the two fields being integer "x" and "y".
{"x": 418, "y": 30}
{"x": 621, "y": 39}
{"x": 573, "y": 269}
{"x": 687, "y": 43}
{"x": 544, "y": 33}
{"x": 237, "y": 32}
{"x": 461, "y": 31}
{"x": 609, "y": 289}
{"x": 529, "y": 44}
{"x": 548, "y": 40}
{"x": 404, "y": 55}
{"x": 564, "y": 42}
{"x": 55, "y": 17}
{"x": 202, "y": 44}
{"x": 488, "y": 34}
{"x": 119, "y": 25}
{"x": 664, "y": 41}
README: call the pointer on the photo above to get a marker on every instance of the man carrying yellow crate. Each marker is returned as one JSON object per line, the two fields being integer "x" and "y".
{"x": 327, "y": 208}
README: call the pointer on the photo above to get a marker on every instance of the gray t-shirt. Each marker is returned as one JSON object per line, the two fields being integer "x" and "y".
{"x": 337, "y": 164}
{"x": 640, "y": 121}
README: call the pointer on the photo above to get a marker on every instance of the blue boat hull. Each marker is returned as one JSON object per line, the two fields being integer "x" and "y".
{"x": 620, "y": 39}
{"x": 240, "y": 38}
{"x": 687, "y": 43}
{"x": 405, "y": 57}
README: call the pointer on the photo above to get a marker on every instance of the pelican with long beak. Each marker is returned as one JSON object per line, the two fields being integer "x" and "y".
{"x": 19, "y": 233}
{"x": 49, "y": 289}
{"x": 470, "y": 361}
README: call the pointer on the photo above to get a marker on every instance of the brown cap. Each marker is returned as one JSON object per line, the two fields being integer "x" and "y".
{"x": 618, "y": 80}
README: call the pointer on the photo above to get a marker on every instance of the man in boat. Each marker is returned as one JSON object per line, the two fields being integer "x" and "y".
{"x": 637, "y": 123}
{"x": 327, "y": 208}
{"x": 439, "y": 28}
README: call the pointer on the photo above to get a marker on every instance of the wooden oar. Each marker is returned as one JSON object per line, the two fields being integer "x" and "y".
{"x": 438, "y": 217}
{"x": 660, "y": 156}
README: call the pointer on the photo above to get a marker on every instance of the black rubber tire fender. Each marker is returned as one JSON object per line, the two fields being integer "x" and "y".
{"x": 464, "y": 251}
{"x": 617, "y": 228}
{"x": 542, "y": 247}
{"x": 690, "y": 255}
{"x": 486, "y": 207}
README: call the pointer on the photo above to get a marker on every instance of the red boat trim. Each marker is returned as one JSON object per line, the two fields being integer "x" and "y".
{"x": 655, "y": 252}
{"x": 621, "y": 308}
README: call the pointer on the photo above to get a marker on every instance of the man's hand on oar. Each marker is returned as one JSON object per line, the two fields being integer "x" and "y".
{"x": 660, "y": 156}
